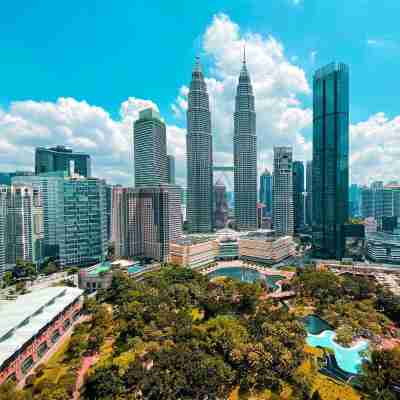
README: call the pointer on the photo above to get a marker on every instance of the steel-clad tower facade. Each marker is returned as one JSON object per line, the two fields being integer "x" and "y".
{"x": 199, "y": 155}
{"x": 245, "y": 154}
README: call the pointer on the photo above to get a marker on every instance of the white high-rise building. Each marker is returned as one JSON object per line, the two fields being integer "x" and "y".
{"x": 282, "y": 191}
{"x": 150, "y": 149}
{"x": 4, "y": 199}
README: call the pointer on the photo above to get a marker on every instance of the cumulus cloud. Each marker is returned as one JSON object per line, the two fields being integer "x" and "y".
{"x": 84, "y": 127}
{"x": 282, "y": 119}
{"x": 375, "y": 149}
{"x": 277, "y": 84}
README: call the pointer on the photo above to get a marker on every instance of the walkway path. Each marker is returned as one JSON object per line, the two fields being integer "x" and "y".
{"x": 87, "y": 362}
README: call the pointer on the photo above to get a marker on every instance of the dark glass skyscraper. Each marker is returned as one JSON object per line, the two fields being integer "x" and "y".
{"x": 309, "y": 193}
{"x": 330, "y": 159}
{"x": 199, "y": 156}
{"x": 245, "y": 154}
{"x": 298, "y": 195}
{"x": 266, "y": 192}
{"x": 61, "y": 158}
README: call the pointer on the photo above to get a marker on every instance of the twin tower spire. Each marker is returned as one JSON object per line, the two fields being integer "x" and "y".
{"x": 200, "y": 154}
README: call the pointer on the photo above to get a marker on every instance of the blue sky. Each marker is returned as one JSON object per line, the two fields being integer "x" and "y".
{"x": 102, "y": 53}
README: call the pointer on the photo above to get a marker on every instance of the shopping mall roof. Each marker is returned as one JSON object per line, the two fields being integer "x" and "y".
{"x": 22, "y": 319}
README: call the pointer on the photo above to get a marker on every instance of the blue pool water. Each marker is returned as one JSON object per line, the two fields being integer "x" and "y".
{"x": 134, "y": 269}
{"x": 348, "y": 359}
{"x": 246, "y": 275}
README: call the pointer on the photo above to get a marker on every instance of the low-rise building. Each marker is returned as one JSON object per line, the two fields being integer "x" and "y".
{"x": 99, "y": 276}
{"x": 31, "y": 325}
{"x": 354, "y": 241}
{"x": 228, "y": 249}
{"x": 266, "y": 247}
{"x": 383, "y": 247}
{"x": 193, "y": 252}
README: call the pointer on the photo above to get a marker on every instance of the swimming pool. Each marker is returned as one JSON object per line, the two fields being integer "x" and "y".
{"x": 135, "y": 268}
{"x": 320, "y": 334}
{"x": 246, "y": 275}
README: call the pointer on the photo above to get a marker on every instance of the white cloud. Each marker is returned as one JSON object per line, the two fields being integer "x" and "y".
{"x": 28, "y": 124}
{"x": 277, "y": 83}
{"x": 382, "y": 43}
{"x": 375, "y": 149}
{"x": 282, "y": 119}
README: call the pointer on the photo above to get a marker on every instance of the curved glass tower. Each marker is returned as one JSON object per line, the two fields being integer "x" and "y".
{"x": 245, "y": 154}
{"x": 199, "y": 156}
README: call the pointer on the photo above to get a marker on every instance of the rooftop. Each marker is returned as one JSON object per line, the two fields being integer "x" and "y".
{"x": 21, "y": 319}
{"x": 266, "y": 234}
{"x": 191, "y": 240}
{"x": 384, "y": 237}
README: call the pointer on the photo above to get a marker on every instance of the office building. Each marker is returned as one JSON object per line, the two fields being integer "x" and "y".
{"x": 61, "y": 158}
{"x": 108, "y": 210}
{"x": 193, "y": 252}
{"x": 372, "y": 201}
{"x": 391, "y": 200}
{"x": 383, "y": 247}
{"x": 150, "y": 149}
{"x": 330, "y": 186}
{"x": 266, "y": 192}
{"x": 31, "y": 325}
{"x": 391, "y": 225}
{"x": 266, "y": 247}
{"x": 245, "y": 154}
{"x": 24, "y": 224}
{"x": 82, "y": 234}
{"x": 6, "y": 177}
{"x": 298, "y": 197}
{"x": 117, "y": 217}
{"x": 221, "y": 208}
{"x": 199, "y": 155}
{"x": 282, "y": 191}
{"x": 308, "y": 200}
{"x": 354, "y": 200}
{"x": 146, "y": 220}
{"x": 354, "y": 239}
{"x": 4, "y": 200}
{"x": 74, "y": 217}
{"x": 171, "y": 169}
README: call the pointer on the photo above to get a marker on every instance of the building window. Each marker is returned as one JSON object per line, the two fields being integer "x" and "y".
{"x": 27, "y": 365}
{"x": 55, "y": 336}
{"x": 42, "y": 349}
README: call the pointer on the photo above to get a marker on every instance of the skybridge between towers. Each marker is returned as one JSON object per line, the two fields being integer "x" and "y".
{"x": 226, "y": 173}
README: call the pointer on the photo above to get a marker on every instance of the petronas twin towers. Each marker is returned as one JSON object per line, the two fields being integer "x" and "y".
{"x": 200, "y": 159}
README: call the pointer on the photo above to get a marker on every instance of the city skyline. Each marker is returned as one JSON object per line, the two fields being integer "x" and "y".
{"x": 90, "y": 125}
